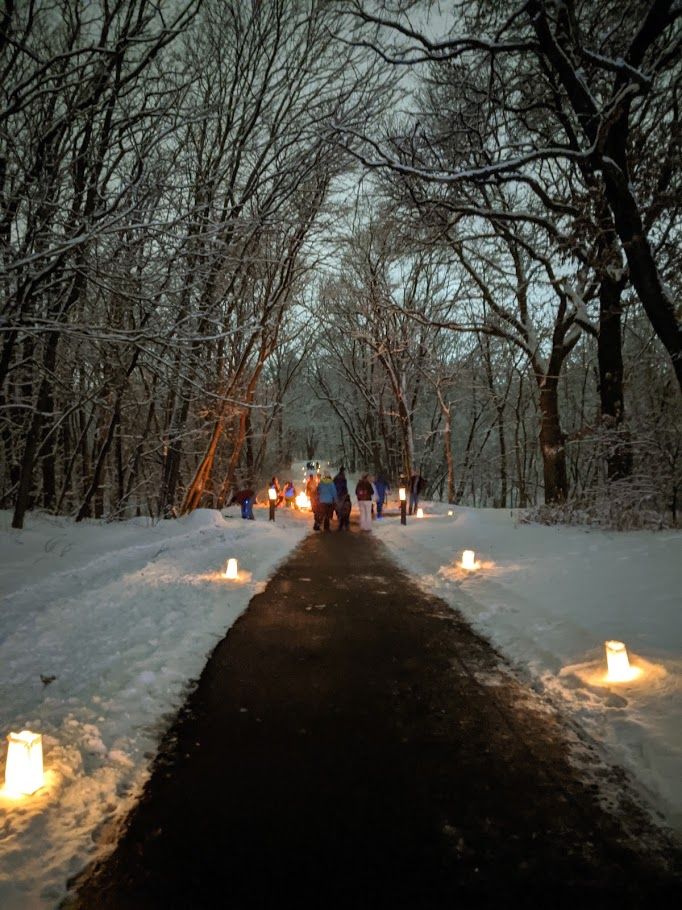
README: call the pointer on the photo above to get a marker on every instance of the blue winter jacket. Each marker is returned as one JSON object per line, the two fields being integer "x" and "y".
{"x": 381, "y": 487}
{"x": 326, "y": 492}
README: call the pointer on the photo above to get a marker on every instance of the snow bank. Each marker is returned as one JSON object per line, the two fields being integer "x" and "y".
{"x": 122, "y": 615}
{"x": 548, "y": 598}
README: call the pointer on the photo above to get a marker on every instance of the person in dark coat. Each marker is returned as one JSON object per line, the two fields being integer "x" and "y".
{"x": 246, "y": 499}
{"x": 343, "y": 511}
{"x": 417, "y": 484}
{"x": 341, "y": 484}
{"x": 364, "y": 492}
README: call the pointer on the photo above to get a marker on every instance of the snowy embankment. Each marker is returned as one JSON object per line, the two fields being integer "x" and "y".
{"x": 548, "y": 598}
{"x": 115, "y": 618}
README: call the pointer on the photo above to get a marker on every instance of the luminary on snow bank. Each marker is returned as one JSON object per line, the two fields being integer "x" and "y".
{"x": 619, "y": 669}
{"x": 302, "y": 501}
{"x": 420, "y": 513}
{"x": 468, "y": 560}
{"x": 24, "y": 768}
{"x": 450, "y": 512}
{"x": 231, "y": 570}
{"x": 402, "y": 493}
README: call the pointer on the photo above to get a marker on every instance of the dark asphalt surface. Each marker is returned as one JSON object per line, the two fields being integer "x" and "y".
{"x": 352, "y": 743}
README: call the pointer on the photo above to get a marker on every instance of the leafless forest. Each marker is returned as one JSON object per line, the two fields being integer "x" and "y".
{"x": 400, "y": 235}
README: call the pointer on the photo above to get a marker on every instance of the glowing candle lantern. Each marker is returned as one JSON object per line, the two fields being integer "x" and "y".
{"x": 468, "y": 560}
{"x": 619, "y": 669}
{"x": 231, "y": 570}
{"x": 450, "y": 512}
{"x": 24, "y": 768}
{"x": 420, "y": 513}
{"x": 402, "y": 494}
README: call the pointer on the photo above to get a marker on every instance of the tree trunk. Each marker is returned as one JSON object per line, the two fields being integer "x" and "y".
{"x": 172, "y": 461}
{"x": 231, "y": 472}
{"x": 35, "y": 432}
{"x": 95, "y": 490}
{"x": 196, "y": 487}
{"x": 552, "y": 443}
{"x": 447, "y": 446}
{"x": 643, "y": 272}
{"x": 503, "y": 459}
{"x": 610, "y": 356}
{"x": 49, "y": 476}
{"x": 248, "y": 442}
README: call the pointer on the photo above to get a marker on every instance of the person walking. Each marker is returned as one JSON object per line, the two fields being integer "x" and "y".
{"x": 311, "y": 493}
{"x": 341, "y": 484}
{"x": 364, "y": 492}
{"x": 326, "y": 496}
{"x": 343, "y": 511}
{"x": 381, "y": 486}
{"x": 274, "y": 484}
{"x": 246, "y": 499}
{"x": 289, "y": 494}
{"x": 417, "y": 484}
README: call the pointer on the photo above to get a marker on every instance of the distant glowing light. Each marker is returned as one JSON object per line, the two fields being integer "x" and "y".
{"x": 420, "y": 513}
{"x": 618, "y": 664}
{"x": 302, "y": 501}
{"x": 231, "y": 570}
{"x": 450, "y": 512}
{"x": 24, "y": 767}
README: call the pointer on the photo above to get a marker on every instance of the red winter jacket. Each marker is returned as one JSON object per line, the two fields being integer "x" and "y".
{"x": 364, "y": 491}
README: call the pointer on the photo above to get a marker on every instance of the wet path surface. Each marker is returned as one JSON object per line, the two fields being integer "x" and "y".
{"x": 352, "y": 743}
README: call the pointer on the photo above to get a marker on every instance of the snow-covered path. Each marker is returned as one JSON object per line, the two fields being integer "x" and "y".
{"x": 122, "y": 615}
{"x": 548, "y": 598}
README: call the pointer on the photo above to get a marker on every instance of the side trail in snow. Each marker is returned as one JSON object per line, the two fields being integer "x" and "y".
{"x": 353, "y": 743}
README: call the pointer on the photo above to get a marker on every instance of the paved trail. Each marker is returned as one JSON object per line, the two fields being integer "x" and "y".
{"x": 352, "y": 743}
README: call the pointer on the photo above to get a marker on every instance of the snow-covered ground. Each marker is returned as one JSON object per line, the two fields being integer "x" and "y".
{"x": 122, "y": 615}
{"x": 548, "y": 598}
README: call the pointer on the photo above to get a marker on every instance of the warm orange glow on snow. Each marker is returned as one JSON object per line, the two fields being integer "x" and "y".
{"x": 469, "y": 561}
{"x": 24, "y": 767}
{"x": 302, "y": 501}
{"x": 619, "y": 669}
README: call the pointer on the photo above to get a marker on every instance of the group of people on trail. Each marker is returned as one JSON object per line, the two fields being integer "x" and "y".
{"x": 329, "y": 496}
